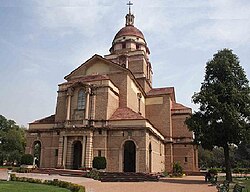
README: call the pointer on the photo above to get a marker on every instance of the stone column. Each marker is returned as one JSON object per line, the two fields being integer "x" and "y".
{"x": 69, "y": 94}
{"x": 87, "y": 103}
{"x": 84, "y": 139}
{"x": 60, "y": 152}
{"x": 65, "y": 144}
{"x": 89, "y": 150}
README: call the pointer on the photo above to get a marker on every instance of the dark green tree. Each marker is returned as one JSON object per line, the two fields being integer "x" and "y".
{"x": 224, "y": 99}
{"x": 12, "y": 141}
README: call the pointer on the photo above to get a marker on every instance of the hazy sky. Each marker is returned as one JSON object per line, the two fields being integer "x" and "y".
{"x": 41, "y": 41}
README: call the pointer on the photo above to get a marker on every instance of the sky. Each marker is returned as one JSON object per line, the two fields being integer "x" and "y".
{"x": 41, "y": 41}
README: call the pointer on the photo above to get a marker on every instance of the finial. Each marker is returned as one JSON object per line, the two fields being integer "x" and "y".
{"x": 129, "y": 17}
{"x": 129, "y": 6}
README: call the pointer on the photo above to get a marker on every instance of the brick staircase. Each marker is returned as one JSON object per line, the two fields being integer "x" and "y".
{"x": 63, "y": 172}
{"x": 127, "y": 177}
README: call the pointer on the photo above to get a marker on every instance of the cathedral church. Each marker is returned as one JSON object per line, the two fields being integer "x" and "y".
{"x": 108, "y": 107}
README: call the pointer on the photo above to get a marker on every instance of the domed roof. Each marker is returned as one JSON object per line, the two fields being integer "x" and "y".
{"x": 129, "y": 30}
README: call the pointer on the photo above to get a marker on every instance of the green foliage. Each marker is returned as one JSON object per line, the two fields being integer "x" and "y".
{"x": 12, "y": 141}
{"x": 165, "y": 173}
{"x": 15, "y": 186}
{"x": 215, "y": 157}
{"x": 213, "y": 171}
{"x": 177, "y": 169}
{"x": 224, "y": 99}
{"x": 99, "y": 163}
{"x": 94, "y": 174}
{"x": 27, "y": 159}
{"x": 64, "y": 184}
{"x": 21, "y": 170}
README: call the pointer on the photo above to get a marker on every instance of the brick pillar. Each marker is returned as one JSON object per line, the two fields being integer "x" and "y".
{"x": 87, "y": 103}
{"x": 84, "y": 139}
{"x": 168, "y": 157}
{"x": 68, "y": 108}
{"x": 65, "y": 143}
{"x": 60, "y": 152}
{"x": 89, "y": 151}
{"x": 69, "y": 94}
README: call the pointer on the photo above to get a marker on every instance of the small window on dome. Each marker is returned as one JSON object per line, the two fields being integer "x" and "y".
{"x": 124, "y": 37}
{"x": 137, "y": 46}
{"x": 137, "y": 38}
{"x": 124, "y": 45}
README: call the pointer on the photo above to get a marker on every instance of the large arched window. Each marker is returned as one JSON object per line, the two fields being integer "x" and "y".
{"x": 81, "y": 99}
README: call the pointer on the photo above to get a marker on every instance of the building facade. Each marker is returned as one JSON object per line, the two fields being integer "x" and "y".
{"x": 108, "y": 107}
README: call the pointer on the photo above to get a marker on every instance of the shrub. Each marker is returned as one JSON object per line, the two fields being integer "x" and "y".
{"x": 27, "y": 159}
{"x": 213, "y": 171}
{"x": 64, "y": 184}
{"x": 177, "y": 169}
{"x": 94, "y": 174}
{"x": 164, "y": 173}
{"x": 99, "y": 163}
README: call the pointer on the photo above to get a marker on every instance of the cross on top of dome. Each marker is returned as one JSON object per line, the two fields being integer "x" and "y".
{"x": 129, "y": 6}
{"x": 129, "y": 17}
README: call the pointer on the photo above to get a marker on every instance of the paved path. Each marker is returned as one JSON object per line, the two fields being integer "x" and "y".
{"x": 185, "y": 184}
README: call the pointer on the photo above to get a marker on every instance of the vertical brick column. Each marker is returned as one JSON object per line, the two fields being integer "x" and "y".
{"x": 168, "y": 156}
{"x": 84, "y": 139}
{"x": 89, "y": 150}
{"x": 87, "y": 103}
{"x": 60, "y": 152}
{"x": 65, "y": 143}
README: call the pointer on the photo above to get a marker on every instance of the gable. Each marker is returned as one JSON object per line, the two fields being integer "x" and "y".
{"x": 97, "y": 68}
{"x": 96, "y": 65}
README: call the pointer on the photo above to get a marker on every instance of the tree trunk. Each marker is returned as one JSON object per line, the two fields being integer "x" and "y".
{"x": 227, "y": 163}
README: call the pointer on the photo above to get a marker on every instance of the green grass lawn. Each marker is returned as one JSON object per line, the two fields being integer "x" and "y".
{"x": 240, "y": 180}
{"x": 243, "y": 181}
{"x": 14, "y": 186}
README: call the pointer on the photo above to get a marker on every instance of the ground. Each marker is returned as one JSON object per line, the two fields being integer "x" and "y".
{"x": 185, "y": 184}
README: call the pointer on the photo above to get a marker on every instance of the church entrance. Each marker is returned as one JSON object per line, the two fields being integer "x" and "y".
{"x": 150, "y": 157}
{"x": 77, "y": 154}
{"x": 37, "y": 153}
{"x": 129, "y": 156}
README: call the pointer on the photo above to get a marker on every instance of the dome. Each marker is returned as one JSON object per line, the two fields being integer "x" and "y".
{"x": 129, "y": 31}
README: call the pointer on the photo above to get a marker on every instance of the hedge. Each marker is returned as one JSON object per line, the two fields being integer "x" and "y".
{"x": 64, "y": 184}
{"x": 27, "y": 159}
{"x": 99, "y": 163}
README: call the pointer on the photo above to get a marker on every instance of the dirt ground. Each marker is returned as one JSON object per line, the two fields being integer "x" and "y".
{"x": 184, "y": 184}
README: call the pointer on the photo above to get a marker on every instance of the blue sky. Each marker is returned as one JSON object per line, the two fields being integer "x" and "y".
{"x": 43, "y": 41}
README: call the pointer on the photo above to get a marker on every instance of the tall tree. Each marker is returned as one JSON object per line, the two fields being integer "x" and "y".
{"x": 224, "y": 99}
{"x": 12, "y": 141}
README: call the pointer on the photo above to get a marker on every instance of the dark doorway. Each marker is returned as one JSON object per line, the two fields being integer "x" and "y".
{"x": 129, "y": 160}
{"x": 37, "y": 153}
{"x": 150, "y": 157}
{"x": 77, "y": 154}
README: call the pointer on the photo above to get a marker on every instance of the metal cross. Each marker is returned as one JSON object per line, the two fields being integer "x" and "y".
{"x": 129, "y": 6}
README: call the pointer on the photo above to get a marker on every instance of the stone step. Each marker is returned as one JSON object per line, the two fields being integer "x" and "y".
{"x": 68, "y": 172}
{"x": 127, "y": 177}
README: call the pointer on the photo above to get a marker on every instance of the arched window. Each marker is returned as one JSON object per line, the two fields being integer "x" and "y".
{"x": 81, "y": 100}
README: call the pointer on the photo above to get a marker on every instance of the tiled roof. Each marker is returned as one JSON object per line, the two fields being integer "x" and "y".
{"x": 178, "y": 106}
{"x": 49, "y": 119}
{"x": 129, "y": 31}
{"x": 160, "y": 91}
{"x": 125, "y": 113}
{"x": 87, "y": 78}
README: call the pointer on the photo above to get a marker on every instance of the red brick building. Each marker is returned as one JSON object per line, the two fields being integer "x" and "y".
{"x": 108, "y": 107}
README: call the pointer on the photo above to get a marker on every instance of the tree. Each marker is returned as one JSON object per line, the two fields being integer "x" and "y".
{"x": 12, "y": 141}
{"x": 224, "y": 99}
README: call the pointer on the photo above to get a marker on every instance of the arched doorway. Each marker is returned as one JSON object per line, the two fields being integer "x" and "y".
{"x": 77, "y": 154}
{"x": 37, "y": 152}
{"x": 150, "y": 158}
{"x": 129, "y": 157}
